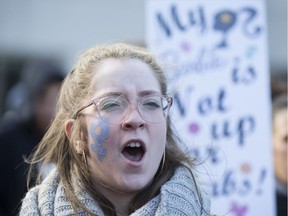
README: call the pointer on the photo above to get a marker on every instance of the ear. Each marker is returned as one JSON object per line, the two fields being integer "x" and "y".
{"x": 68, "y": 127}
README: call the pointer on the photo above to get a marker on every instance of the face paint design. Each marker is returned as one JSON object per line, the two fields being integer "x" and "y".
{"x": 99, "y": 132}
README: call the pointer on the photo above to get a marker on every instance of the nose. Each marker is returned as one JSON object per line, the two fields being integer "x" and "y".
{"x": 133, "y": 120}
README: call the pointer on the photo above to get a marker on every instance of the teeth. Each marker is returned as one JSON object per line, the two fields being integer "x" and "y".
{"x": 133, "y": 145}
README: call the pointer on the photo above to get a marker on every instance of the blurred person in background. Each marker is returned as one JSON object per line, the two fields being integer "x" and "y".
{"x": 30, "y": 106}
{"x": 278, "y": 84}
{"x": 279, "y": 124}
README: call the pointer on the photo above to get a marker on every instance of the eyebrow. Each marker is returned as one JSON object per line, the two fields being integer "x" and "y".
{"x": 141, "y": 94}
{"x": 111, "y": 94}
{"x": 148, "y": 92}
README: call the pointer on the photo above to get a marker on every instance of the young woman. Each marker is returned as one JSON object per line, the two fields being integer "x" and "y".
{"x": 113, "y": 145}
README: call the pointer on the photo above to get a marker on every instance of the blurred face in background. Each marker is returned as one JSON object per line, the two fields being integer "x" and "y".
{"x": 45, "y": 106}
{"x": 280, "y": 144}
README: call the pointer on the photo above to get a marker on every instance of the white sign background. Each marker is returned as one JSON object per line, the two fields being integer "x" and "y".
{"x": 216, "y": 58}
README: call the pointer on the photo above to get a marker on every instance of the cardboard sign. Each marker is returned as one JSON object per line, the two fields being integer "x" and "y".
{"x": 216, "y": 59}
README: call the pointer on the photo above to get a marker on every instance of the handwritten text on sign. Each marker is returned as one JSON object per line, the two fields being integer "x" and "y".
{"x": 215, "y": 56}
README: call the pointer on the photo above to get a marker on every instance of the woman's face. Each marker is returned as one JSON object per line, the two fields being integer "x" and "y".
{"x": 124, "y": 156}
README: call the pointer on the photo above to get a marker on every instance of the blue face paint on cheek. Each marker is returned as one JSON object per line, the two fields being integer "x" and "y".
{"x": 99, "y": 132}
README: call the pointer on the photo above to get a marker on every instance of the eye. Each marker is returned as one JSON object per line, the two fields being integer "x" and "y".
{"x": 110, "y": 104}
{"x": 151, "y": 103}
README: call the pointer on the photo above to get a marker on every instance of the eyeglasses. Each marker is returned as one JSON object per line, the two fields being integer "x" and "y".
{"x": 114, "y": 109}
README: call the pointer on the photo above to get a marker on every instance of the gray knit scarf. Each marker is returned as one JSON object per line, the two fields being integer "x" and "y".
{"x": 178, "y": 196}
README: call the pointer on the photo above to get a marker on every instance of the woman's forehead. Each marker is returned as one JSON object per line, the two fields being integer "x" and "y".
{"x": 125, "y": 74}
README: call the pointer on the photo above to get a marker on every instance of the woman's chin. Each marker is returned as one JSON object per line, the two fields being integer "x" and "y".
{"x": 137, "y": 185}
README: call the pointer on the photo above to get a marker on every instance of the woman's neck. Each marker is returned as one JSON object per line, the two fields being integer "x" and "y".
{"x": 119, "y": 199}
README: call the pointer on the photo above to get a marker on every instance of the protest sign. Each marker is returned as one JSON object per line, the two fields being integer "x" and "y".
{"x": 216, "y": 58}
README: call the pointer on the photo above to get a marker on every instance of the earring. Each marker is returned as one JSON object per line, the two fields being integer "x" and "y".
{"x": 80, "y": 149}
{"x": 84, "y": 157}
{"x": 163, "y": 162}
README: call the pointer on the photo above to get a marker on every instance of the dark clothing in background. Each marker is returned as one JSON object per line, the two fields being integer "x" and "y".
{"x": 281, "y": 204}
{"x": 15, "y": 143}
{"x": 29, "y": 108}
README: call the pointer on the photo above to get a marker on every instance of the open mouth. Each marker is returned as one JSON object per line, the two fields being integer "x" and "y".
{"x": 133, "y": 151}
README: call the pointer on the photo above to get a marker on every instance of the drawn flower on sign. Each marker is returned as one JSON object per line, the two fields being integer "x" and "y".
{"x": 246, "y": 168}
{"x": 238, "y": 210}
{"x": 185, "y": 46}
{"x": 193, "y": 128}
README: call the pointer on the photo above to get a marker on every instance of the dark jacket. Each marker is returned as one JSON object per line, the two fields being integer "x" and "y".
{"x": 15, "y": 143}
